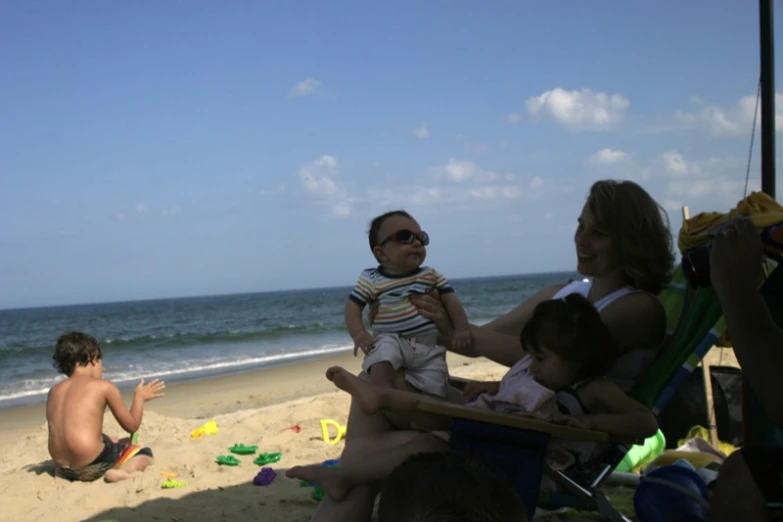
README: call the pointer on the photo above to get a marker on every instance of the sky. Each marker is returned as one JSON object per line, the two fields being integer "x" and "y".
{"x": 163, "y": 149}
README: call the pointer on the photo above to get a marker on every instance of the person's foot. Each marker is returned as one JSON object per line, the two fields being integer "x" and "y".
{"x": 117, "y": 475}
{"x": 329, "y": 479}
{"x": 364, "y": 394}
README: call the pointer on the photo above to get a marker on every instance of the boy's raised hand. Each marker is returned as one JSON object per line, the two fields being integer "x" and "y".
{"x": 151, "y": 390}
{"x": 364, "y": 341}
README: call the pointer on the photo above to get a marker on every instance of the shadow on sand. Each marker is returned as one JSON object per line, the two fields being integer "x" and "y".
{"x": 284, "y": 500}
{"x": 46, "y": 466}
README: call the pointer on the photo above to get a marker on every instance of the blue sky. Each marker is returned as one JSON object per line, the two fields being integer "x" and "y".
{"x": 156, "y": 149}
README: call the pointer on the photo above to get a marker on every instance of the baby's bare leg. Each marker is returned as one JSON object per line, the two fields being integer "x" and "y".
{"x": 372, "y": 399}
{"x": 382, "y": 374}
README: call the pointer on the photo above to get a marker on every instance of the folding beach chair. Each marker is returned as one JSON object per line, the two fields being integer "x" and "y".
{"x": 517, "y": 445}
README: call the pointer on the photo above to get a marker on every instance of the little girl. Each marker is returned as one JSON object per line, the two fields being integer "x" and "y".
{"x": 561, "y": 379}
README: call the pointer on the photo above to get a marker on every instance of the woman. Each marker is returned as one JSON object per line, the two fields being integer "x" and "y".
{"x": 624, "y": 246}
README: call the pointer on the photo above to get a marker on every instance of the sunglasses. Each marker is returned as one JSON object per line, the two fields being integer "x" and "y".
{"x": 406, "y": 237}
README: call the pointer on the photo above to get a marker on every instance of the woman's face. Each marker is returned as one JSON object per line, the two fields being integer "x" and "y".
{"x": 595, "y": 252}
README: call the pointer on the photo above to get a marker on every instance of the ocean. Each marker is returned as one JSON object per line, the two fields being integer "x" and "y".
{"x": 198, "y": 337}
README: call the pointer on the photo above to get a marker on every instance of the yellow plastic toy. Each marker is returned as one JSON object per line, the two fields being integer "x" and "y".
{"x": 339, "y": 428}
{"x": 209, "y": 428}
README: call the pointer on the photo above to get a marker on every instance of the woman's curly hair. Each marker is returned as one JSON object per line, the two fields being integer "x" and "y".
{"x": 639, "y": 227}
{"x": 75, "y": 349}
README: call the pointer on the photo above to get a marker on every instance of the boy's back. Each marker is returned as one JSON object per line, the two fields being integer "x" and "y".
{"x": 74, "y": 412}
{"x": 75, "y": 409}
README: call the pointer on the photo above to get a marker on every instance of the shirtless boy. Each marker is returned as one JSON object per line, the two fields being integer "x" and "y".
{"x": 74, "y": 413}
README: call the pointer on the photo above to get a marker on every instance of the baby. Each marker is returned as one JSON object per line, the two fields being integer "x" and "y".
{"x": 401, "y": 336}
{"x": 74, "y": 413}
{"x": 570, "y": 350}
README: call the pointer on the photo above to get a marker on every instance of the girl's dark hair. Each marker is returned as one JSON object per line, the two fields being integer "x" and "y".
{"x": 572, "y": 329}
{"x": 75, "y": 349}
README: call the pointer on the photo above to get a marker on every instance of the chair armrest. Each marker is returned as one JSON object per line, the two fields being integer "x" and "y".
{"x": 459, "y": 383}
{"x": 445, "y": 409}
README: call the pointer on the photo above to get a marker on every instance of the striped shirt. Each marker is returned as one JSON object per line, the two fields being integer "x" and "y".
{"x": 396, "y": 313}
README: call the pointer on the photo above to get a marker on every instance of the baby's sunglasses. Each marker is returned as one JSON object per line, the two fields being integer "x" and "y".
{"x": 406, "y": 237}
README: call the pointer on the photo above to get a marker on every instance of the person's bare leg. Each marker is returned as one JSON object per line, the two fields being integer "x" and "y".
{"x": 358, "y": 504}
{"x": 372, "y": 399}
{"x": 382, "y": 374}
{"x": 735, "y": 495}
{"x": 126, "y": 471}
{"x": 337, "y": 482}
{"x": 365, "y": 432}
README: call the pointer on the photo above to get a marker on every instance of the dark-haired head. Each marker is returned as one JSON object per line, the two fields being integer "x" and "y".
{"x": 377, "y": 223}
{"x": 448, "y": 487}
{"x": 571, "y": 329}
{"x": 623, "y": 228}
{"x": 397, "y": 242}
{"x": 75, "y": 349}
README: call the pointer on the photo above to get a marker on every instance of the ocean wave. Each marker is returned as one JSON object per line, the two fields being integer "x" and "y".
{"x": 184, "y": 370}
{"x": 189, "y": 338}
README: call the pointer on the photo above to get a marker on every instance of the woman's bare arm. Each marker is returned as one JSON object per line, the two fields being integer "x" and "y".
{"x": 615, "y": 412}
{"x": 511, "y": 323}
{"x": 637, "y": 322}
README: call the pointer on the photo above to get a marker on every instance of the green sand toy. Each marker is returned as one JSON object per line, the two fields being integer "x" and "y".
{"x": 171, "y": 484}
{"x": 241, "y": 449}
{"x": 267, "y": 458}
{"x": 228, "y": 460}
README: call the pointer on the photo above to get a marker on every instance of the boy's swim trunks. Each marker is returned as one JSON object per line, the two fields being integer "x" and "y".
{"x": 114, "y": 455}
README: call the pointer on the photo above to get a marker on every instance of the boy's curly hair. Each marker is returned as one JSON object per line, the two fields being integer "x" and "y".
{"x": 571, "y": 327}
{"x": 75, "y": 349}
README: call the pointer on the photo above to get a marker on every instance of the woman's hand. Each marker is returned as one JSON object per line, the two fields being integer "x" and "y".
{"x": 430, "y": 306}
{"x": 574, "y": 421}
{"x": 477, "y": 388}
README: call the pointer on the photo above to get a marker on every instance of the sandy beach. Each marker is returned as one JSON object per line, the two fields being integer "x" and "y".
{"x": 252, "y": 408}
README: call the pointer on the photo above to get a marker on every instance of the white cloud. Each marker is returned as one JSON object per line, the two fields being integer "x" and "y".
{"x": 675, "y": 164}
{"x": 274, "y": 191}
{"x": 171, "y": 212}
{"x": 579, "y": 110}
{"x": 719, "y": 179}
{"x": 459, "y": 171}
{"x": 456, "y": 181}
{"x": 607, "y": 156}
{"x": 513, "y": 118}
{"x": 536, "y": 183}
{"x": 307, "y": 87}
{"x": 734, "y": 120}
{"x": 494, "y": 192}
{"x": 503, "y": 145}
{"x": 140, "y": 208}
{"x": 318, "y": 179}
{"x": 422, "y": 132}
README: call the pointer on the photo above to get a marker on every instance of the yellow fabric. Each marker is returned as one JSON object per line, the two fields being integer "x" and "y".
{"x": 703, "y": 433}
{"x": 758, "y": 206}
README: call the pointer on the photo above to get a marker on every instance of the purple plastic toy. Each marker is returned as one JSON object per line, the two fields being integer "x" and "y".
{"x": 265, "y": 477}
